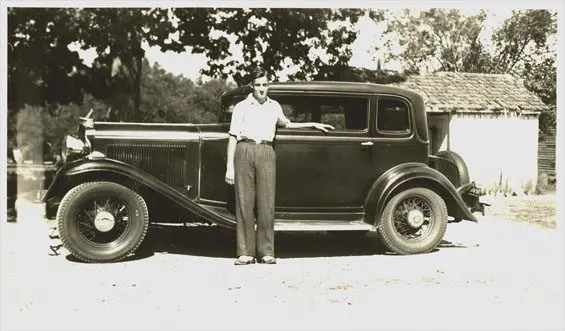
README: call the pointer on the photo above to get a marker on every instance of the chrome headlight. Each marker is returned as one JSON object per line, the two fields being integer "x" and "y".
{"x": 72, "y": 148}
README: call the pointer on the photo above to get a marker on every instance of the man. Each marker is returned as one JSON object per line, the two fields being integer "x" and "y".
{"x": 251, "y": 167}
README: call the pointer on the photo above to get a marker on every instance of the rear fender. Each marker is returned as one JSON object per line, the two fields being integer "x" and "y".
{"x": 410, "y": 175}
{"x": 99, "y": 169}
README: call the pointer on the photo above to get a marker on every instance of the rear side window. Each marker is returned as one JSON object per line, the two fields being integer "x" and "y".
{"x": 343, "y": 113}
{"x": 393, "y": 116}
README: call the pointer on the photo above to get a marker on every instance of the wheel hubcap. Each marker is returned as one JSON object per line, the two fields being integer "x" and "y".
{"x": 104, "y": 221}
{"x": 415, "y": 218}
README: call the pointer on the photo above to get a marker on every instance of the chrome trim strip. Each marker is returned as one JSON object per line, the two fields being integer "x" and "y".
{"x": 285, "y": 136}
{"x": 145, "y": 135}
{"x": 322, "y": 226}
{"x": 138, "y": 124}
{"x": 214, "y": 135}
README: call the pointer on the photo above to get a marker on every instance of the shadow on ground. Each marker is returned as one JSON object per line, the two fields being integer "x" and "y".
{"x": 214, "y": 241}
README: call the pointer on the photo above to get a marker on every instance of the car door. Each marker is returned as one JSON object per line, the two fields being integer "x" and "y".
{"x": 324, "y": 172}
{"x": 395, "y": 141}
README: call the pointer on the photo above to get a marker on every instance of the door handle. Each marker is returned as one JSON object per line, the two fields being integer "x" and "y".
{"x": 367, "y": 143}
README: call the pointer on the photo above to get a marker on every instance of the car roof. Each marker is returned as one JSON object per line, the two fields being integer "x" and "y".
{"x": 323, "y": 86}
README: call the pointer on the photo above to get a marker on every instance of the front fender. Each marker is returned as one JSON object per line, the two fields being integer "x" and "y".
{"x": 85, "y": 169}
{"x": 409, "y": 175}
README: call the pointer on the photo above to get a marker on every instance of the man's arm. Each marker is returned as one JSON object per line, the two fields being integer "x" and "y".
{"x": 315, "y": 125}
{"x": 285, "y": 122}
{"x": 232, "y": 142}
{"x": 235, "y": 131}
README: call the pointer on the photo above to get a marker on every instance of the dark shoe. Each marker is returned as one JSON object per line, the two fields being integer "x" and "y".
{"x": 268, "y": 260}
{"x": 240, "y": 261}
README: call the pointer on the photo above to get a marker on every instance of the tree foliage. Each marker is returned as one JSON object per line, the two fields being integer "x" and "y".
{"x": 438, "y": 39}
{"x": 526, "y": 48}
{"x": 273, "y": 38}
{"x": 32, "y": 128}
{"x": 43, "y": 70}
{"x": 523, "y": 40}
{"x": 165, "y": 98}
{"x": 117, "y": 35}
{"x": 176, "y": 99}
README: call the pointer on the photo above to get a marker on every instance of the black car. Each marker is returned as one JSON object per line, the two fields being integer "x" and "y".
{"x": 373, "y": 172}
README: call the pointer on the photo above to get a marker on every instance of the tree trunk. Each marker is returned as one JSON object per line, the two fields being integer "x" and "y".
{"x": 126, "y": 69}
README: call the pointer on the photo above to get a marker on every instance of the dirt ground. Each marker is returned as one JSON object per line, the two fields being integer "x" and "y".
{"x": 504, "y": 273}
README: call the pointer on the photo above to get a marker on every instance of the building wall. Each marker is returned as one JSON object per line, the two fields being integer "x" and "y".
{"x": 500, "y": 149}
{"x": 546, "y": 154}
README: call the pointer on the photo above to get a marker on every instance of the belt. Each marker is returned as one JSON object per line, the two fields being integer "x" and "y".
{"x": 256, "y": 142}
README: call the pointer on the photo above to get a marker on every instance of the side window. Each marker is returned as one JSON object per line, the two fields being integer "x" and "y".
{"x": 393, "y": 116}
{"x": 226, "y": 109}
{"x": 343, "y": 113}
{"x": 297, "y": 112}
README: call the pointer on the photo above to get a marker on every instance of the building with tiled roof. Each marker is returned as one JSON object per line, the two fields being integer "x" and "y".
{"x": 449, "y": 91}
{"x": 490, "y": 120}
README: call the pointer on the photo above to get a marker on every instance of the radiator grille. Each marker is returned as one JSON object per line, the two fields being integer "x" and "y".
{"x": 165, "y": 162}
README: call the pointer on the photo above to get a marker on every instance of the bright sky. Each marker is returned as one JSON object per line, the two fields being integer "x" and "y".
{"x": 364, "y": 54}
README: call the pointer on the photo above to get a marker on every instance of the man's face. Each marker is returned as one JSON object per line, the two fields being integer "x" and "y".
{"x": 260, "y": 89}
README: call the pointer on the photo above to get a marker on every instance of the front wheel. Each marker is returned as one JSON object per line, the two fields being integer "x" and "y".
{"x": 413, "y": 221}
{"x": 102, "y": 221}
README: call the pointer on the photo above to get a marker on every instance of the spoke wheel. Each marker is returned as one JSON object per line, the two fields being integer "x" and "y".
{"x": 414, "y": 221}
{"x": 102, "y": 221}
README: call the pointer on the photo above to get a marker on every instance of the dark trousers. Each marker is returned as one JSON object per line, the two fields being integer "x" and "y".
{"x": 255, "y": 178}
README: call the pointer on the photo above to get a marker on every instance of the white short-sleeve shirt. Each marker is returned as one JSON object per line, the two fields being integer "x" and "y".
{"x": 257, "y": 121}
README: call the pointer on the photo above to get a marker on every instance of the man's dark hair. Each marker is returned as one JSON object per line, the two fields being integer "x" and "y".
{"x": 258, "y": 73}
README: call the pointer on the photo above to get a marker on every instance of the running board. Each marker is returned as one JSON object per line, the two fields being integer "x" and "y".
{"x": 307, "y": 225}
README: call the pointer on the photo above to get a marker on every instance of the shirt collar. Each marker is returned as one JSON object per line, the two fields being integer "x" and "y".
{"x": 251, "y": 99}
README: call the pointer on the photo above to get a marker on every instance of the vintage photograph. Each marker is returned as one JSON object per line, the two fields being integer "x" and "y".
{"x": 258, "y": 167}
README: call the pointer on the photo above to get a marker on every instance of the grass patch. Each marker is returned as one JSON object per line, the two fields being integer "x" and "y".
{"x": 538, "y": 209}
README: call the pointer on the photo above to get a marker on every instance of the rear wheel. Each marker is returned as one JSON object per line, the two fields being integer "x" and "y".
{"x": 102, "y": 221}
{"x": 413, "y": 221}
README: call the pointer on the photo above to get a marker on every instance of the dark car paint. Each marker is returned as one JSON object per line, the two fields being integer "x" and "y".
{"x": 333, "y": 177}
{"x": 101, "y": 169}
{"x": 414, "y": 175}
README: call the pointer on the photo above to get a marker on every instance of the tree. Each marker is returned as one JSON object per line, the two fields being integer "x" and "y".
{"x": 274, "y": 38}
{"x": 41, "y": 68}
{"x": 525, "y": 47}
{"x": 176, "y": 99}
{"x": 522, "y": 40}
{"x": 31, "y": 128}
{"x": 438, "y": 39}
{"x": 117, "y": 35}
